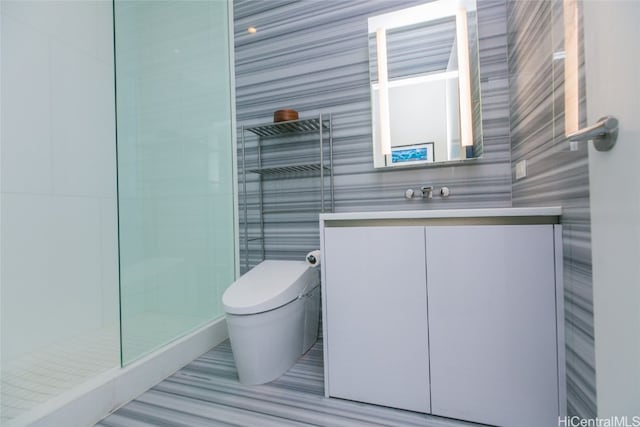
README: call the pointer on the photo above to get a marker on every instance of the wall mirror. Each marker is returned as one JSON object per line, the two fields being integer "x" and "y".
{"x": 425, "y": 84}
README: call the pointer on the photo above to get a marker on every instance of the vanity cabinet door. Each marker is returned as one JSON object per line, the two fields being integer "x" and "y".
{"x": 376, "y": 302}
{"x": 492, "y": 324}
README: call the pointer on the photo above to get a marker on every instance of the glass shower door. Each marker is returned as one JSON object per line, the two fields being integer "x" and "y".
{"x": 175, "y": 168}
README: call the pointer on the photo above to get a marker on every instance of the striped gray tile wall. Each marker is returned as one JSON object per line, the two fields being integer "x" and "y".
{"x": 312, "y": 56}
{"x": 555, "y": 175}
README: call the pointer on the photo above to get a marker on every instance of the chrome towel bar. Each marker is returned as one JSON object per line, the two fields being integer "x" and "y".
{"x": 603, "y": 134}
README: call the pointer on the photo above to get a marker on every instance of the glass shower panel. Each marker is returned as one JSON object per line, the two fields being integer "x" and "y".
{"x": 175, "y": 168}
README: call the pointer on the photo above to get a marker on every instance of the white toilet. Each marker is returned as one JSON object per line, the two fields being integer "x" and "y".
{"x": 272, "y": 314}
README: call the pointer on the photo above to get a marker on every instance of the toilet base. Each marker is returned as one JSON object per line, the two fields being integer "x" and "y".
{"x": 268, "y": 344}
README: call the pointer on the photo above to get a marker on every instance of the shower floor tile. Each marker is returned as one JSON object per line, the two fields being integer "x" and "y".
{"x": 33, "y": 379}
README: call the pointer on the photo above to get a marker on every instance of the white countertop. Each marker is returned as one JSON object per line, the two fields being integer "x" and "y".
{"x": 445, "y": 213}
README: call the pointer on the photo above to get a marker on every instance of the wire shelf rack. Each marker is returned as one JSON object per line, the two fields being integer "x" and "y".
{"x": 309, "y": 168}
{"x": 290, "y": 127}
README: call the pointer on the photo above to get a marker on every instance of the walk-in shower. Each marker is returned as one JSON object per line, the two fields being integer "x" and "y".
{"x": 117, "y": 210}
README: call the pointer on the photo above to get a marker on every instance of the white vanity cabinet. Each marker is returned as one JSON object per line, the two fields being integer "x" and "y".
{"x": 376, "y": 309}
{"x": 457, "y": 318}
{"x": 492, "y": 324}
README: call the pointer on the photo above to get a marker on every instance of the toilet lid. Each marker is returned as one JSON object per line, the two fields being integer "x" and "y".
{"x": 268, "y": 285}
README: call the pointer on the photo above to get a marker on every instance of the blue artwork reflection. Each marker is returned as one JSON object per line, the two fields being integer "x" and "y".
{"x": 410, "y": 155}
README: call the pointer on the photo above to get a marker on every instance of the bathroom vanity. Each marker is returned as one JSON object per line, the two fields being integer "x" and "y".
{"x": 457, "y": 313}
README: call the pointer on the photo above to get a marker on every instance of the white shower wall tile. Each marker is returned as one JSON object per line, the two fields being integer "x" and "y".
{"x": 109, "y": 294}
{"x": 82, "y": 131}
{"x": 26, "y": 126}
{"x": 79, "y": 25}
{"x": 52, "y": 247}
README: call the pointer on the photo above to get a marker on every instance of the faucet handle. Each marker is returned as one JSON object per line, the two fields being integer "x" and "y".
{"x": 427, "y": 191}
{"x": 409, "y": 193}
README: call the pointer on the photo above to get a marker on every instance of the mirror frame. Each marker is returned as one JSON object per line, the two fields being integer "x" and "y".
{"x": 379, "y": 25}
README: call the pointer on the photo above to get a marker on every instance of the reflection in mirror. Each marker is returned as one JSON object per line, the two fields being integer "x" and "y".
{"x": 425, "y": 84}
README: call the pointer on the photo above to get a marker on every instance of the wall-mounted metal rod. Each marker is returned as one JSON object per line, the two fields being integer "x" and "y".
{"x": 321, "y": 165}
{"x": 331, "y": 186}
{"x": 244, "y": 196}
{"x": 603, "y": 134}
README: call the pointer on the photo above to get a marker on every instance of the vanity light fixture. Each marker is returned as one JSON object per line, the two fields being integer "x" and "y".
{"x": 464, "y": 79}
{"x": 383, "y": 92}
{"x": 571, "y": 65}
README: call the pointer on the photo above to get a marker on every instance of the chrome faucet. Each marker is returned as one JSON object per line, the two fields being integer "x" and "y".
{"x": 427, "y": 191}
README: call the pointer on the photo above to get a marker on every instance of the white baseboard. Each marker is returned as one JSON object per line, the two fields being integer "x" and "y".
{"x": 89, "y": 403}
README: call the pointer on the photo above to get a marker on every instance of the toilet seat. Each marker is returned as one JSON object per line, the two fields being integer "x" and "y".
{"x": 267, "y": 286}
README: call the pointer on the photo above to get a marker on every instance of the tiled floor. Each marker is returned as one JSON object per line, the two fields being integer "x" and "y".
{"x": 33, "y": 379}
{"x": 207, "y": 393}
